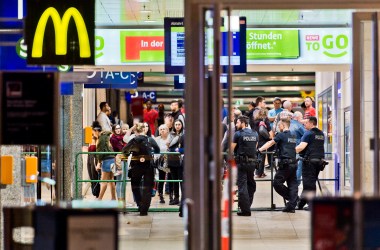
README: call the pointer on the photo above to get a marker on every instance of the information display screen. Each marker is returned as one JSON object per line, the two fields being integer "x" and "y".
{"x": 27, "y": 108}
{"x": 175, "y": 47}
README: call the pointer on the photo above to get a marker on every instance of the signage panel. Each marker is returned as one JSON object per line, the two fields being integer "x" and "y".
{"x": 27, "y": 108}
{"x": 180, "y": 80}
{"x": 146, "y": 95}
{"x": 115, "y": 80}
{"x": 175, "y": 46}
{"x": 333, "y": 217}
{"x": 60, "y": 32}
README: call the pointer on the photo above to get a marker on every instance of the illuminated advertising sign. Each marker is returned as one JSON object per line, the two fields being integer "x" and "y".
{"x": 299, "y": 46}
{"x": 60, "y": 32}
{"x": 141, "y": 46}
{"x": 268, "y": 44}
{"x": 14, "y": 58}
{"x": 263, "y": 46}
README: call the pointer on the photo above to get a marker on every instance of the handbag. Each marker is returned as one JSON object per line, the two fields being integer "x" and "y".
{"x": 162, "y": 163}
{"x": 114, "y": 169}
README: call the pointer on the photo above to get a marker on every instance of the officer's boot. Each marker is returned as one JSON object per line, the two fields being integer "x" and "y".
{"x": 175, "y": 200}
{"x": 162, "y": 200}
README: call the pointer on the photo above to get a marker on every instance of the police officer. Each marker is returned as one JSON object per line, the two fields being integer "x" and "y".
{"x": 312, "y": 151}
{"x": 287, "y": 165}
{"x": 141, "y": 168}
{"x": 244, "y": 146}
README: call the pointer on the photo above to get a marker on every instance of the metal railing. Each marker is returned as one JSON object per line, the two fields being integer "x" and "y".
{"x": 124, "y": 179}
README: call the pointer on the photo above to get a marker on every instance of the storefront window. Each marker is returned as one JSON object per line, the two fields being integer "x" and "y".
{"x": 325, "y": 119}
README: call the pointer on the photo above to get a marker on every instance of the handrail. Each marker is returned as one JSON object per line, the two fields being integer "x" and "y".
{"x": 124, "y": 180}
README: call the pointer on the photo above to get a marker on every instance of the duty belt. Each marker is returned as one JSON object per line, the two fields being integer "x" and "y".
{"x": 245, "y": 159}
{"x": 287, "y": 161}
{"x": 314, "y": 160}
{"x": 142, "y": 158}
{"x": 323, "y": 162}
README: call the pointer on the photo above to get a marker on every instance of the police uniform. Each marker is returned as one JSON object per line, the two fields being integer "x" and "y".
{"x": 141, "y": 168}
{"x": 287, "y": 167}
{"x": 246, "y": 159}
{"x": 313, "y": 161}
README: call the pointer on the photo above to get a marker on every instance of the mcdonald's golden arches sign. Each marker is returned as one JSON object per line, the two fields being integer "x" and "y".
{"x": 60, "y": 32}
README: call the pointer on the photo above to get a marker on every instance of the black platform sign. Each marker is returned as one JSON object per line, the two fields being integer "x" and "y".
{"x": 333, "y": 224}
{"x": 60, "y": 32}
{"x": 28, "y": 114}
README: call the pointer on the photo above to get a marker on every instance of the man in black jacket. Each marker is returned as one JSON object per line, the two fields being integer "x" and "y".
{"x": 287, "y": 165}
{"x": 244, "y": 146}
{"x": 312, "y": 151}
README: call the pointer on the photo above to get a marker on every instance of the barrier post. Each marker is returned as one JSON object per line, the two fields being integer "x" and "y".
{"x": 76, "y": 174}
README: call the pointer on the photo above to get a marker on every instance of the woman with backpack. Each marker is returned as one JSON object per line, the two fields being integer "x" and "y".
{"x": 141, "y": 169}
{"x": 104, "y": 164}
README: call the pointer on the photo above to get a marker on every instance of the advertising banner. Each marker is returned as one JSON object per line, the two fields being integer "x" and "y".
{"x": 145, "y": 47}
{"x": 316, "y": 46}
{"x": 264, "y": 46}
{"x": 271, "y": 44}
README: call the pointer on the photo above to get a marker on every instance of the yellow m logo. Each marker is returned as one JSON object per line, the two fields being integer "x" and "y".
{"x": 60, "y": 28}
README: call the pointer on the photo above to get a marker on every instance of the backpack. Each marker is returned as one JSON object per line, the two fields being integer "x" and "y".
{"x": 139, "y": 145}
{"x": 263, "y": 130}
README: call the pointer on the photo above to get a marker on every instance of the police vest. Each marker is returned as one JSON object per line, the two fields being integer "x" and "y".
{"x": 247, "y": 143}
{"x": 316, "y": 149}
{"x": 287, "y": 147}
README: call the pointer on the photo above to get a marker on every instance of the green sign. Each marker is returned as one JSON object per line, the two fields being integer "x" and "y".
{"x": 142, "y": 46}
{"x": 272, "y": 44}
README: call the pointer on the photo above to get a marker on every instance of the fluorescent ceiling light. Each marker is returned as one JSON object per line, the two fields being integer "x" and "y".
{"x": 144, "y": 10}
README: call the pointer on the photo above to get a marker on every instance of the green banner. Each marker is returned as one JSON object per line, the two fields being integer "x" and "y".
{"x": 272, "y": 44}
{"x": 142, "y": 46}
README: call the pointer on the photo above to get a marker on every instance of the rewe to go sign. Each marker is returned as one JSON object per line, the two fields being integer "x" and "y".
{"x": 333, "y": 46}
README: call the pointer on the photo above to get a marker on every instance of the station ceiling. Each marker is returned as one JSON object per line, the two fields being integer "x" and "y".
{"x": 288, "y": 85}
{"x": 151, "y": 13}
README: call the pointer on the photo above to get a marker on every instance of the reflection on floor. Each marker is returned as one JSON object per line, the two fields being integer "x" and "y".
{"x": 263, "y": 230}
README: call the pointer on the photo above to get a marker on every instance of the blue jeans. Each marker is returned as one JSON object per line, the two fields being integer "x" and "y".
{"x": 119, "y": 187}
{"x": 299, "y": 171}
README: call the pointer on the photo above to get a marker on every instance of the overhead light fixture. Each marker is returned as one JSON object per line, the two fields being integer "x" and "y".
{"x": 144, "y": 10}
{"x": 149, "y": 20}
{"x": 143, "y": 1}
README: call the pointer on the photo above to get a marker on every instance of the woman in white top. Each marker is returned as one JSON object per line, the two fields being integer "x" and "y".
{"x": 162, "y": 141}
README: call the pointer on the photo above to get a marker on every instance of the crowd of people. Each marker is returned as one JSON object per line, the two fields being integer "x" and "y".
{"x": 281, "y": 129}
{"x": 164, "y": 132}
{"x": 280, "y": 132}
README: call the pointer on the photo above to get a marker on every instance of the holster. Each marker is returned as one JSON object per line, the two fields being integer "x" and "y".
{"x": 245, "y": 160}
{"x": 321, "y": 162}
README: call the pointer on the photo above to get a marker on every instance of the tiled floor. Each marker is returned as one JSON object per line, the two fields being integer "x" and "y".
{"x": 263, "y": 230}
